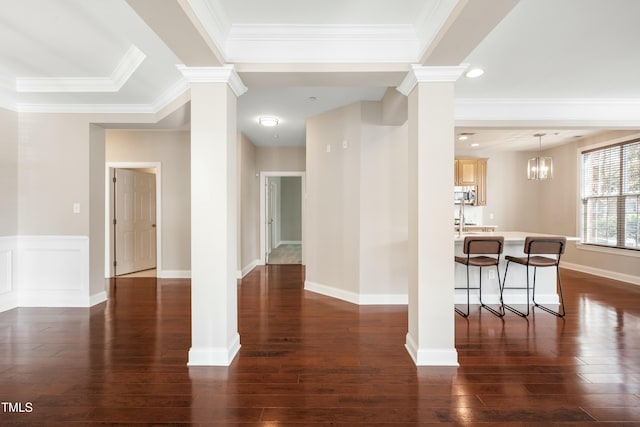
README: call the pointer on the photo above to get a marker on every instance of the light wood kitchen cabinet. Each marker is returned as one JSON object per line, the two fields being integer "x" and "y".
{"x": 465, "y": 171}
{"x": 469, "y": 171}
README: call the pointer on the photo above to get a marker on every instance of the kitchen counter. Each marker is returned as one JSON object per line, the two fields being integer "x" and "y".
{"x": 513, "y": 245}
{"x": 477, "y": 228}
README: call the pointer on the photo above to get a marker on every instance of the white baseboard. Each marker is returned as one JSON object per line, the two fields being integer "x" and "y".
{"x": 98, "y": 298}
{"x": 431, "y": 357}
{"x": 218, "y": 356}
{"x": 247, "y": 269}
{"x": 290, "y": 242}
{"x": 354, "y": 298}
{"x": 174, "y": 274}
{"x": 332, "y": 292}
{"x": 628, "y": 278}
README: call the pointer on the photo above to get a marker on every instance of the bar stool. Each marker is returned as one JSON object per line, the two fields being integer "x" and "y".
{"x": 534, "y": 246}
{"x": 483, "y": 246}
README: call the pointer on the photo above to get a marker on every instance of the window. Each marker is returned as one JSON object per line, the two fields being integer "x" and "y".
{"x": 611, "y": 195}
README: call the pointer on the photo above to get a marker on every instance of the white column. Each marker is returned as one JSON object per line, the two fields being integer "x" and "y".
{"x": 431, "y": 336}
{"x": 214, "y": 315}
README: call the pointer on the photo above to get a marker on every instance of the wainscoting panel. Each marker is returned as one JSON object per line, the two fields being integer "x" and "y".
{"x": 53, "y": 271}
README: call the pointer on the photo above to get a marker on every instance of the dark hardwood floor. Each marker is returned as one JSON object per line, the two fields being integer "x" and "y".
{"x": 311, "y": 360}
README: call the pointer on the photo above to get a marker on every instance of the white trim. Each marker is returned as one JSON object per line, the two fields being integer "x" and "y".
{"x": 129, "y": 63}
{"x": 263, "y": 206}
{"x": 431, "y": 357}
{"x": 248, "y": 268}
{"x": 173, "y": 274}
{"x": 614, "y": 275}
{"x": 290, "y": 242}
{"x": 224, "y": 74}
{"x": 98, "y": 298}
{"x": 332, "y": 292}
{"x": 214, "y": 356}
{"x": 423, "y": 74}
{"x": 308, "y": 43}
{"x": 53, "y": 271}
{"x": 108, "y": 261}
{"x": 214, "y": 19}
{"x": 86, "y": 108}
{"x": 567, "y": 112}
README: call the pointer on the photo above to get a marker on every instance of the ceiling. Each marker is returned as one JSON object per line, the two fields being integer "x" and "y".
{"x": 561, "y": 67}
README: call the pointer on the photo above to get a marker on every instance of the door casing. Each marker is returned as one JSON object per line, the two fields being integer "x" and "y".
{"x": 109, "y": 200}
{"x": 263, "y": 213}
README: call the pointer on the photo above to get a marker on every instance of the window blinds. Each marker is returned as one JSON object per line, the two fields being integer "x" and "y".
{"x": 610, "y": 195}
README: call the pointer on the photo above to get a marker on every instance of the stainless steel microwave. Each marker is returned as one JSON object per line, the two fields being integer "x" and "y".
{"x": 464, "y": 193}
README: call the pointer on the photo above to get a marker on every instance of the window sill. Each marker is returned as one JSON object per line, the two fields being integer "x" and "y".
{"x": 613, "y": 251}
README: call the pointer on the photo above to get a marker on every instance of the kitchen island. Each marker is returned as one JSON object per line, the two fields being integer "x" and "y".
{"x": 546, "y": 292}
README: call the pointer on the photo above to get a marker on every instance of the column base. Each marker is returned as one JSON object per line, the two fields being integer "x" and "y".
{"x": 214, "y": 356}
{"x": 431, "y": 357}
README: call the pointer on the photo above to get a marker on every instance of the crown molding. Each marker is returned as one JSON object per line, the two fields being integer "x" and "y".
{"x": 423, "y": 74}
{"x": 322, "y": 43}
{"x": 605, "y": 112}
{"x": 120, "y": 75}
{"x": 225, "y": 74}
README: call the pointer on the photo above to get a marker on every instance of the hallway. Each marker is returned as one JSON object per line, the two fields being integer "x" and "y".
{"x": 309, "y": 359}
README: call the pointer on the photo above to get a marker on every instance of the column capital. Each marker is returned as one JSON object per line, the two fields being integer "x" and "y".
{"x": 423, "y": 74}
{"x": 224, "y": 74}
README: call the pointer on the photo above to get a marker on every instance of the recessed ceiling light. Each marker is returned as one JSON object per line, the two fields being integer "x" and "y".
{"x": 475, "y": 72}
{"x": 463, "y": 137}
{"x": 475, "y": 144}
{"x": 268, "y": 121}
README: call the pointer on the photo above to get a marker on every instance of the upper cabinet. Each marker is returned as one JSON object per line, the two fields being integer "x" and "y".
{"x": 472, "y": 172}
{"x": 466, "y": 171}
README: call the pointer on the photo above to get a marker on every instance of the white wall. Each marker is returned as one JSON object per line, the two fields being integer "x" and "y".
{"x": 172, "y": 150}
{"x": 281, "y": 159}
{"x": 249, "y": 207}
{"x": 357, "y": 206}
{"x": 383, "y": 206}
{"x": 8, "y": 208}
{"x": 333, "y": 196}
{"x": 8, "y": 173}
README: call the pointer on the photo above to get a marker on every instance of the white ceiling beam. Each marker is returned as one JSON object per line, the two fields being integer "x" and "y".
{"x": 466, "y": 27}
{"x": 176, "y": 24}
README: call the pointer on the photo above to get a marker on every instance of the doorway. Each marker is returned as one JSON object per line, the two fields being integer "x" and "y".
{"x": 282, "y": 217}
{"x": 133, "y": 241}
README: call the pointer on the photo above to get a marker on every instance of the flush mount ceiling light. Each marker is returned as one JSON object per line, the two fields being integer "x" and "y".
{"x": 464, "y": 136}
{"x": 475, "y": 72}
{"x": 268, "y": 121}
{"x": 540, "y": 168}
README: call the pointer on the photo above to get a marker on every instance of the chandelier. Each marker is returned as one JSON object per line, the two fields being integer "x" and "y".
{"x": 540, "y": 168}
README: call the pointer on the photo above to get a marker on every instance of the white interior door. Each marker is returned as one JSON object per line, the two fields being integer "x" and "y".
{"x": 135, "y": 221}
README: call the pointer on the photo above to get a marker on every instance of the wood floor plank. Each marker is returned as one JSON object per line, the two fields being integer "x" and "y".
{"x": 307, "y": 359}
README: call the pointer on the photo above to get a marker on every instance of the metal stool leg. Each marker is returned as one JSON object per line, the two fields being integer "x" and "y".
{"x": 548, "y": 310}
{"x": 482, "y": 304}
{"x": 508, "y": 307}
{"x": 460, "y": 312}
